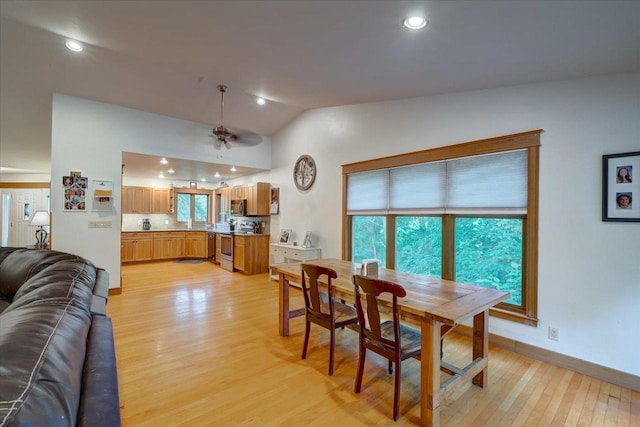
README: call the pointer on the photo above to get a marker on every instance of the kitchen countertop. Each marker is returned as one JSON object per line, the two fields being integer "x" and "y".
{"x": 238, "y": 233}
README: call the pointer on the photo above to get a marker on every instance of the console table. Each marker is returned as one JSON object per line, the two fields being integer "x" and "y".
{"x": 280, "y": 253}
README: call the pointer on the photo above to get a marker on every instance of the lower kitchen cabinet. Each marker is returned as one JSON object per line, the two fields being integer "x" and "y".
{"x": 251, "y": 254}
{"x": 195, "y": 244}
{"x": 136, "y": 247}
{"x": 169, "y": 244}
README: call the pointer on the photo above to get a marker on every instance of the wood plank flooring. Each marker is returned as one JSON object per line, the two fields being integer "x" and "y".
{"x": 199, "y": 346}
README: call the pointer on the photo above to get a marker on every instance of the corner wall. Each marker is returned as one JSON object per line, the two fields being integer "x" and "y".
{"x": 89, "y": 137}
{"x": 589, "y": 271}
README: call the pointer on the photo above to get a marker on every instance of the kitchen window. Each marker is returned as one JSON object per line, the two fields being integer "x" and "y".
{"x": 466, "y": 212}
{"x": 194, "y": 204}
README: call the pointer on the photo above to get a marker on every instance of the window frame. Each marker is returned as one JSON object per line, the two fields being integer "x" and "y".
{"x": 192, "y": 192}
{"x": 528, "y": 313}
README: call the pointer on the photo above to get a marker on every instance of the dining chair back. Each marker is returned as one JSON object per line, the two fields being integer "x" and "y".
{"x": 388, "y": 338}
{"x": 321, "y": 308}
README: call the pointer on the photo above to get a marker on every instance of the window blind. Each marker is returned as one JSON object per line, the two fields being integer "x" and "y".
{"x": 486, "y": 183}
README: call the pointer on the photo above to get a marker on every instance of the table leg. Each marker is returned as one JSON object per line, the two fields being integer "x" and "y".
{"x": 430, "y": 373}
{"x": 283, "y": 306}
{"x": 481, "y": 344}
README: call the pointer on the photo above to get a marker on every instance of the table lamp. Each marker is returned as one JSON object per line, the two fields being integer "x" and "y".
{"x": 40, "y": 219}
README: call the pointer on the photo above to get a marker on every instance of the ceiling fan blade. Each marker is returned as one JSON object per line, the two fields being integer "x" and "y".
{"x": 246, "y": 137}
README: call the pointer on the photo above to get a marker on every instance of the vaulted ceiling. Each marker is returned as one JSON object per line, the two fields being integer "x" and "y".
{"x": 167, "y": 57}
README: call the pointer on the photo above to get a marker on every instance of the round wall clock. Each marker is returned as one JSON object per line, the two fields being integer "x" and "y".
{"x": 304, "y": 172}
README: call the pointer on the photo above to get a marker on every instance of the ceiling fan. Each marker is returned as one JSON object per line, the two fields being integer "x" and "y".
{"x": 225, "y": 136}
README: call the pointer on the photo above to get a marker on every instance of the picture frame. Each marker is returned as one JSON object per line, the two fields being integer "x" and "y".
{"x": 285, "y": 236}
{"x": 275, "y": 201}
{"x": 307, "y": 240}
{"x": 75, "y": 189}
{"x": 621, "y": 187}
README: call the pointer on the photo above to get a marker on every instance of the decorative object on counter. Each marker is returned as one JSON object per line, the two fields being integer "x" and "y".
{"x": 146, "y": 224}
{"x": 285, "y": 236}
{"x": 304, "y": 172}
{"x": 620, "y": 186}
{"x": 307, "y": 240}
{"x": 369, "y": 267}
{"x": 275, "y": 201}
{"x": 75, "y": 191}
{"x": 40, "y": 220}
{"x": 193, "y": 184}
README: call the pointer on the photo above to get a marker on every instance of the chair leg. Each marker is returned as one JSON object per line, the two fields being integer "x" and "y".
{"x": 306, "y": 339}
{"x": 396, "y": 392}
{"x": 361, "y": 358}
{"x": 332, "y": 347}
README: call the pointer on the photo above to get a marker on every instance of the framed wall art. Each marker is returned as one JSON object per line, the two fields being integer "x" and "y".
{"x": 75, "y": 191}
{"x": 621, "y": 187}
{"x": 307, "y": 240}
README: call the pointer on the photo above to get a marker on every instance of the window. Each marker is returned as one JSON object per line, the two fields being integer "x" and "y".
{"x": 466, "y": 212}
{"x": 192, "y": 204}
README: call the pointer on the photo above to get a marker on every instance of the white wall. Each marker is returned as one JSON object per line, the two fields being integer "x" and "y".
{"x": 589, "y": 271}
{"x": 90, "y": 137}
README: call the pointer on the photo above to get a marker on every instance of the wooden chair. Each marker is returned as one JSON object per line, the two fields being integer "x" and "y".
{"x": 390, "y": 338}
{"x": 321, "y": 309}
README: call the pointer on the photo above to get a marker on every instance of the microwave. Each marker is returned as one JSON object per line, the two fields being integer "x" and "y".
{"x": 239, "y": 207}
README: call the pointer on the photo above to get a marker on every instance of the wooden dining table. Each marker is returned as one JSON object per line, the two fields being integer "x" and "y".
{"x": 436, "y": 305}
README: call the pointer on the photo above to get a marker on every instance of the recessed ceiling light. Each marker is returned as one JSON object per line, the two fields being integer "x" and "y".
{"x": 74, "y": 46}
{"x": 414, "y": 22}
{"x": 164, "y": 161}
{"x": 171, "y": 171}
{"x": 261, "y": 101}
{"x": 217, "y": 175}
{"x": 233, "y": 169}
{"x": 161, "y": 176}
{"x": 203, "y": 180}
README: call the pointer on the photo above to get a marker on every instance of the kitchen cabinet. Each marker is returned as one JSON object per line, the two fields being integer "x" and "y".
{"x": 251, "y": 254}
{"x": 196, "y": 244}
{"x": 223, "y": 199}
{"x": 218, "y": 247}
{"x": 137, "y": 199}
{"x": 168, "y": 244}
{"x": 239, "y": 192}
{"x": 258, "y": 198}
{"x": 161, "y": 201}
{"x": 136, "y": 247}
{"x": 238, "y": 253}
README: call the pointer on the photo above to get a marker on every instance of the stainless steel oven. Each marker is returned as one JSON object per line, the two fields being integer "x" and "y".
{"x": 226, "y": 251}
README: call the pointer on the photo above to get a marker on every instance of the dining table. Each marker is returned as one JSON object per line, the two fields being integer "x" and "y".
{"x": 435, "y": 305}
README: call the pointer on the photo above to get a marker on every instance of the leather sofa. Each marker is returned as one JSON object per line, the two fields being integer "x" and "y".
{"x": 57, "y": 358}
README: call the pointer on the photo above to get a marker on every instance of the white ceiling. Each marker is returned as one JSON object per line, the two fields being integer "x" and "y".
{"x": 167, "y": 57}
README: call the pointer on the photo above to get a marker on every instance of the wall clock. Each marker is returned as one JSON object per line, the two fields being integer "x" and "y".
{"x": 304, "y": 172}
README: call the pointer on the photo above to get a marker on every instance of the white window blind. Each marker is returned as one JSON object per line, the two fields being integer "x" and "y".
{"x": 368, "y": 191}
{"x": 490, "y": 181}
{"x": 487, "y": 183}
{"x": 418, "y": 186}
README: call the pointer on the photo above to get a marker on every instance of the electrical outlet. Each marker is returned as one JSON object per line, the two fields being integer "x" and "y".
{"x": 554, "y": 334}
{"x": 139, "y": 222}
{"x": 166, "y": 222}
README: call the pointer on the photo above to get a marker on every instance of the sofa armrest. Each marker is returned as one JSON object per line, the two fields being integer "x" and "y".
{"x": 100, "y": 401}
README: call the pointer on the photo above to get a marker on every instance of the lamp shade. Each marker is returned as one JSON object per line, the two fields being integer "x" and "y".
{"x": 41, "y": 218}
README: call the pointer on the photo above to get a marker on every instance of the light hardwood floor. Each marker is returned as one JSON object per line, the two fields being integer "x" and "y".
{"x": 199, "y": 346}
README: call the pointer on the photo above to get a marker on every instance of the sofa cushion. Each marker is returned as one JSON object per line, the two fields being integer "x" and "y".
{"x": 21, "y": 264}
{"x": 42, "y": 355}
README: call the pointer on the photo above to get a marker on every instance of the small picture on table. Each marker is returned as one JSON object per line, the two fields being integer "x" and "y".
{"x": 285, "y": 236}
{"x": 307, "y": 240}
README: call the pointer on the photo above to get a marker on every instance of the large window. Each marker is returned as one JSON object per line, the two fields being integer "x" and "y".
{"x": 466, "y": 212}
{"x": 193, "y": 204}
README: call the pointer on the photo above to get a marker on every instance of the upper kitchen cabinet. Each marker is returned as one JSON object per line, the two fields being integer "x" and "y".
{"x": 137, "y": 199}
{"x": 146, "y": 200}
{"x": 258, "y": 199}
{"x": 162, "y": 201}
